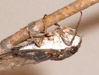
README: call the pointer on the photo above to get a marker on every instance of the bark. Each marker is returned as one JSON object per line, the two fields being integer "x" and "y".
{"x": 49, "y": 20}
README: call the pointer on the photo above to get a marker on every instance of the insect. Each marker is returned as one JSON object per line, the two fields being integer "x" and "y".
{"x": 57, "y": 45}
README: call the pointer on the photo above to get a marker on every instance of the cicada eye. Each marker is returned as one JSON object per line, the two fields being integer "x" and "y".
{"x": 74, "y": 49}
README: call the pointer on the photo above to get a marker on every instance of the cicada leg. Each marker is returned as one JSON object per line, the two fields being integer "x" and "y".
{"x": 76, "y": 28}
{"x": 35, "y": 34}
{"x": 61, "y": 31}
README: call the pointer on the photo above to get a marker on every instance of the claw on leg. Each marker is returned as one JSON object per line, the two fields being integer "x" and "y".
{"x": 56, "y": 24}
{"x": 34, "y": 40}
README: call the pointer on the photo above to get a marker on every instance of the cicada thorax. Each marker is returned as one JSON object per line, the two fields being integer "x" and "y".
{"x": 64, "y": 53}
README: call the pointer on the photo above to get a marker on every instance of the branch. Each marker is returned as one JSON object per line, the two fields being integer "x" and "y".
{"x": 50, "y": 20}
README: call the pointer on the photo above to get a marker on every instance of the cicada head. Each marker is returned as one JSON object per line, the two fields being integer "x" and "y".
{"x": 70, "y": 51}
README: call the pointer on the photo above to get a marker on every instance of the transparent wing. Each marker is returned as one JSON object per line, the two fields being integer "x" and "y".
{"x": 19, "y": 58}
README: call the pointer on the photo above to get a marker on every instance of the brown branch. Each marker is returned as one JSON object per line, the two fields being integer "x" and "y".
{"x": 51, "y": 19}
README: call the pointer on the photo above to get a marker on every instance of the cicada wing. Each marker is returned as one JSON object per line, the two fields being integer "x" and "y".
{"x": 38, "y": 55}
{"x": 19, "y": 58}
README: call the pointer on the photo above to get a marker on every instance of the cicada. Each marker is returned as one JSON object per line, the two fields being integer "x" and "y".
{"x": 62, "y": 43}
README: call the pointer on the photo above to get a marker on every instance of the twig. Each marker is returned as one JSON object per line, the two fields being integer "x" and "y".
{"x": 50, "y": 19}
